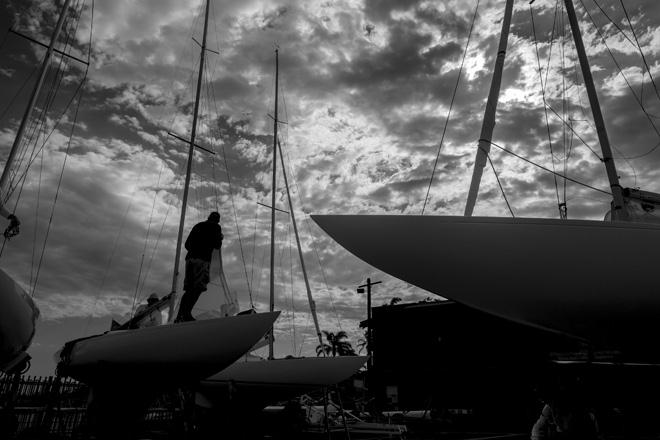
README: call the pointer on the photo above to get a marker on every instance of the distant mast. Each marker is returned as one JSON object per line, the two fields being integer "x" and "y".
{"x": 191, "y": 150}
{"x": 488, "y": 123}
{"x": 30, "y": 108}
{"x": 312, "y": 304}
{"x": 619, "y": 211}
{"x": 272, "y": 215}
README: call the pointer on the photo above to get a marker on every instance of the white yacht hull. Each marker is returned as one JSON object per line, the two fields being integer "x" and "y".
{"x": 173, "y": 352}
{"x": 18, "y": 315}
{"x": 589, "y": 279}
{"x": 264, "y": 382}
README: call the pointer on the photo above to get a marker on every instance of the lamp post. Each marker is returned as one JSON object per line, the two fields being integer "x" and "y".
{"x": 360, "y": 289}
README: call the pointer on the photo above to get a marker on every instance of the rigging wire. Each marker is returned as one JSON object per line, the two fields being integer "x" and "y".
{"x": 544, "y": 168}
{"x": 296, "y": 190}
{"x": 497, "y": 177}
{"x": 552, "y": 42}
{"x": 36, "y": 223}
{"x": 639, "y": 47}
{"x": 293, "y": 307}
{"x": 292, "y": 174}
{"x": 570, "y": 127}
{"x": 153, "y": 251}
{"x": 59, "y": 184}
{"x": 146, "y": 242}
{"x": 260, "y": 278}
{"x": 23, "y": 175}
{"x": 254, "y": 245}
{"x": 11, "y": 102}
{"x": 638, "y": 99}
{"x": 49, "y": 100}
{"x": 602, "y": 10}
{"x": 118, "y": 236}
{"x": 304, "y": 336}
{"x": 38, "y": 124}
{"x": 233, "y": 203}
{"x": 451, "y": 105}
{"x": 633, "y": 43}
{"x": 294, "y": 181}
{"x": 545, "y": 110}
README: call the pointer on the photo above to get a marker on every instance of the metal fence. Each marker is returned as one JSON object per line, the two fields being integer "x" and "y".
{"x": 34, "y": 407}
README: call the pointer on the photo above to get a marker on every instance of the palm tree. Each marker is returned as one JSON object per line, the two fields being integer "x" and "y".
{"x": 394, "y": 301}
{"x": 336, "y": 345}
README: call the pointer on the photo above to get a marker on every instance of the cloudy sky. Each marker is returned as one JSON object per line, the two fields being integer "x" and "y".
{"x": 365, "y": 91}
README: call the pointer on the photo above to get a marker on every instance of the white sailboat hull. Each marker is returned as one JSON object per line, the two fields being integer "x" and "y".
{"x": 589, "y": 279}
{"x": 18, "y": 315}
{"x": 172, "y": 352}
{"x": 264, "y": 382}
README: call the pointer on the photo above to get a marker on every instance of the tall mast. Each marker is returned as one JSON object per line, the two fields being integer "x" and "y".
{"x": 619, "y": 212}
{"x": 191, "y": 150}
{"x": 312, "y": 304}
{"x": 272, "y": 215}
{"x": 488, "y": 123}
{"x": 31, "y": 103}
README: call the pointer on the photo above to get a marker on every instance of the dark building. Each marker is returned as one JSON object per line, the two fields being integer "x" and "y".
{"x": 468, "y": 367}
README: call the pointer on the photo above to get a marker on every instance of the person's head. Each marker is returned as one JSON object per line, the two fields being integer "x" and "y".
{"x": 153, "y": 298}
{"x": 214, "y": 217}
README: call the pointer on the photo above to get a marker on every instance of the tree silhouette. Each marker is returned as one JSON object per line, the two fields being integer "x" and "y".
{"x": 394, "y": 301}
{"x": 337, "y": 345}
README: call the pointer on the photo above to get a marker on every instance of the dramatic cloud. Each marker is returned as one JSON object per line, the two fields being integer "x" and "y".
{"x": 365, "y": 90}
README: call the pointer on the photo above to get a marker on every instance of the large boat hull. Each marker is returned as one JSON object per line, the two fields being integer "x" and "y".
{"x": 265, "y": 382}
{"x": 589, "y": 279}
{"x": 173, "y": 353}
{"x": 18, "y": 315}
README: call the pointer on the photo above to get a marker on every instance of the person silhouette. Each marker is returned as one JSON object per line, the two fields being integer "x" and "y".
{"x": 204, "y": 237}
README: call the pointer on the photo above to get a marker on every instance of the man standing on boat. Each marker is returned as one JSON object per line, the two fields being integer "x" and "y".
{"x": 202, "y": 240}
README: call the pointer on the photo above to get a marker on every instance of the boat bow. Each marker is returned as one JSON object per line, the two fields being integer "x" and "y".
{"x": 543, "y": 272}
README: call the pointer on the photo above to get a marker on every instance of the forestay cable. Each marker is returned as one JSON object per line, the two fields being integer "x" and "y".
{"x": 451, "y": 105}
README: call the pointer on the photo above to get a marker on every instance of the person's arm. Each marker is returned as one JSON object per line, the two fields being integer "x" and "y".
{"x": 191, "y": 238}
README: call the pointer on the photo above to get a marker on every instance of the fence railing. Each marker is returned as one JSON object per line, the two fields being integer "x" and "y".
{"x": 57, "y": 406}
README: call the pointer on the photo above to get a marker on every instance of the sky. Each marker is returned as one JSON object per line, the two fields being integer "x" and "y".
{"x": 365, "y": 90}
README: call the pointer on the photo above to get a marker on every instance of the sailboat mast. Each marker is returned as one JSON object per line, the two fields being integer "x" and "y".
{"x": 312, "y": 304}
{"x": 488, "y": 123}
{"x": 33, "y": 99}
{"x": 191, "y": 150}
{"x": 272, "y": 215}
{"x": 619, "y": 212}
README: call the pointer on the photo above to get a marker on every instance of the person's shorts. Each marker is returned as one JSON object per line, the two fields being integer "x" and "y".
{"x": 197, "y": 275}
